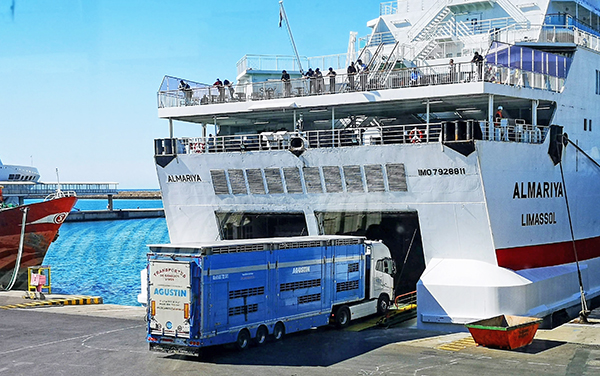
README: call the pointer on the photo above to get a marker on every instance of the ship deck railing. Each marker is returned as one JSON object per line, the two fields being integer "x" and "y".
{"x": 500, "y": 130}
{"x": 444, "y": 74}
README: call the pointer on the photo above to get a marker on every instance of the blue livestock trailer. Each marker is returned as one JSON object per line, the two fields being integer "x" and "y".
{"x": 245, "y": 290}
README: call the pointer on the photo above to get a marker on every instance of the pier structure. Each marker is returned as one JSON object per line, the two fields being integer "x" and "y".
{"x": 31, "y": 190}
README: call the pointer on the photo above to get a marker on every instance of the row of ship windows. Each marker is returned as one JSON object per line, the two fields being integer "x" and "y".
{"x": 325, "y": 179}
{"x": 21, "y": 177}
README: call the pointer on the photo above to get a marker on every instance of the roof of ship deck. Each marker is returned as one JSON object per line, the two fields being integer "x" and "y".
{"x": 383, "y": 103}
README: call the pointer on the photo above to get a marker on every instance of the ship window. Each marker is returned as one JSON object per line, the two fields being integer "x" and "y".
{"x": 597, "y": 82}
{"x": 585, "y": 124}
{"x": 245, "y": 225}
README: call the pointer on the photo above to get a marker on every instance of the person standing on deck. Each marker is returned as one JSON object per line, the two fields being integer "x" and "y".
{"x": 331, "y": 74}
{"x": 478, "y": 61}
{"x": 363, "y": 72}
{"x": 351, "y": 72}
{"x": 287, "y": 84}
{"x": 229, "y": 85}
{"x": 319, "y": 81}
{"x": 219, "y": 85}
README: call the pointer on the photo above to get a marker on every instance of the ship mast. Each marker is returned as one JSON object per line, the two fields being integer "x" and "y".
{"x": 283, "y": 17}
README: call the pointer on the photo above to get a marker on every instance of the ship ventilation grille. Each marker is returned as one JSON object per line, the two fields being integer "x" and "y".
{"x": 374, "y": 175}
{"x": 219, "y": 182}
{"x": 353, "y": 176}
{"x": 396, "y": 177}
{"x": 333, "y": 179}
{"x": 312, "y": 177}
{"x": 273, "y": 177}
{"x": 292, "y": 180}
{"x": 238, "y": 184}
{"x": 255, "y": 181}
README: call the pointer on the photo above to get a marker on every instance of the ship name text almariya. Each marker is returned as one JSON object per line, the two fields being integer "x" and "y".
{"x": 467, "y": 140}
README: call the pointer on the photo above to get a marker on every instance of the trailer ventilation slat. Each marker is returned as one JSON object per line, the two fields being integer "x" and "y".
{"x": 307, "y": 244}
{"x": 290, "y": 286}
{"x": 247, "y": 292}
{"x": 237, "y": 248}
{"x": 350, "y": 241}
{"x": 242, "y": 310}
{"x": 353, "y": 267}
{"x": 309, "y": 298}
{"x": 347, "y": 286}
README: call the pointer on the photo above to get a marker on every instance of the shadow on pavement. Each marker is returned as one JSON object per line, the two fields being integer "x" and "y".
{"x": 318, "y": 347}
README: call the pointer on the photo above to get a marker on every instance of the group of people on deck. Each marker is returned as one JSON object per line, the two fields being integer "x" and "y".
{"x": 188, "y": 92}
{"x": 362, "y": 70}
{"x": 315, "y": 79}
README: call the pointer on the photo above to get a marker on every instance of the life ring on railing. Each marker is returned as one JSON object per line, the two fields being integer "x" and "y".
{"x": 415, "y": 135}
{"x": 196, "y": 147}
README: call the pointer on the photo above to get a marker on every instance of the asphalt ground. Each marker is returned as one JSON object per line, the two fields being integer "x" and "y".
{"x": 110, "y": 340}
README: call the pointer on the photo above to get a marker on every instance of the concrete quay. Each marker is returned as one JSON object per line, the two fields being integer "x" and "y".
{"x": 103, "y": 339}
{"x": 107, "y": 215}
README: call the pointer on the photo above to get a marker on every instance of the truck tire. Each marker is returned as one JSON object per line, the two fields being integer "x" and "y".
{"x": 243, "y": 340}
{"x": 383, "y": 303}
{"x": 261, "y": 335}
{"x": 278, "y": 331}
{"x": 342, "y": 317}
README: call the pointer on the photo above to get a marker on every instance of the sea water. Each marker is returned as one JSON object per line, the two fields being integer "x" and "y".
{"x": 104, "y": 258}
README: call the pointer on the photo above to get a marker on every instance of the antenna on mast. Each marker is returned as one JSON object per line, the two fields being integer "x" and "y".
{"x": 283, "y": 17}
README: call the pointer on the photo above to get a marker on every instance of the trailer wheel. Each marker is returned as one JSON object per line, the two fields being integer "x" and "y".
{"x": 383, "y": 303}
{"x": 278, "y": 331}
{"x": 243, "y": 340}
{"x": 261, "y": 335}
{"x": 342, "y": 317}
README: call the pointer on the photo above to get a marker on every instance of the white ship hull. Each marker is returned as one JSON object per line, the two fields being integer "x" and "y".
{"x": 504, "y": 213}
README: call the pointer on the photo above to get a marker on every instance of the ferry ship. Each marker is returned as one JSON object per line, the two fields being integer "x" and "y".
{"x": 467, "y": 141}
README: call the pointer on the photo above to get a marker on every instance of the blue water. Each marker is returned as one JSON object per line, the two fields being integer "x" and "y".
{"x": 104, "y": 258}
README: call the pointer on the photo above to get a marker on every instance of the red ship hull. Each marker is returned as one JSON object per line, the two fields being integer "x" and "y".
{"x": 41, "y": 227}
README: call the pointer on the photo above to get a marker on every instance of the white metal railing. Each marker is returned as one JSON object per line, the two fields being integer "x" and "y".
{"x": 270, "y": 62}
{"x": 501, "y": 130}
{"x": 388, "y": 7}
{"x": 342, "y": 83}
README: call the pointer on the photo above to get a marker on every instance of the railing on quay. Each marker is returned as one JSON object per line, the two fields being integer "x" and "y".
{"x": 501, "y": 130}
{"x": 41, "y": 190}
{"x": 365, "y": 81}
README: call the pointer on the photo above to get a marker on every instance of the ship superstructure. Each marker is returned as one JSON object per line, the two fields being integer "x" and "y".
{"x": 480, "y": 175}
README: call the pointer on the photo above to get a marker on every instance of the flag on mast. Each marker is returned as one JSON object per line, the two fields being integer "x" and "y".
{"x": 280, "y": 17}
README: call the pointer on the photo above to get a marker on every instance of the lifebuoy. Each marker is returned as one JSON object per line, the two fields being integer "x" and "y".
{"x": 196, "y": 147}
{"x": 415, "y": 135}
